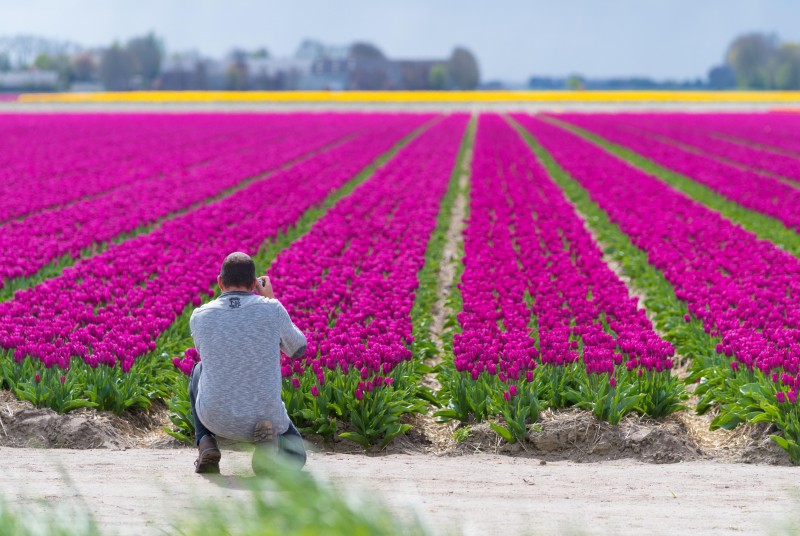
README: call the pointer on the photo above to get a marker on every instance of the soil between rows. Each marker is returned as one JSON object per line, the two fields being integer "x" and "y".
{"x": 572, "y": 435}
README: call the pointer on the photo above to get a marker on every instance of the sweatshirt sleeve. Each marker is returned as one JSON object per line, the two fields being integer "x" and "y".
{"x": 293, "y": 342}
{"x": 193, "y": 327}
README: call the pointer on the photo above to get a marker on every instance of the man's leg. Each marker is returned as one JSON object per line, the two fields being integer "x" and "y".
{"x": 291, "y": 444}
{"x": 194, "y": 382}
{"x": 208, "y": 451}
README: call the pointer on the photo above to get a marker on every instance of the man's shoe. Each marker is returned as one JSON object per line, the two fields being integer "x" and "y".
{"x": 263, "y": 432}
{"x": 209, "y": 456}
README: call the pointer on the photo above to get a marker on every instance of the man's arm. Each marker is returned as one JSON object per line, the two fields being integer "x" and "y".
{"x": 293, "y": 342}
{"x": 193, "y": 326}
{"x": 264, "y": 287}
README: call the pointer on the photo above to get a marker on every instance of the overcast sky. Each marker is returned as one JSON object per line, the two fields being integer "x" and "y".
{"x": 512, "y": 39}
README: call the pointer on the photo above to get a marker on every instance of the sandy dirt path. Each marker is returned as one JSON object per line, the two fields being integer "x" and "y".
{"x": 145, "y": 491}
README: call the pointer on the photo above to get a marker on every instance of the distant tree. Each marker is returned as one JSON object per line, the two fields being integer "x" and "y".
{"x": 721, "y": 77}
{"x": 5, "y": 62}
{"x": 366, "y": 51}
{"x": 280, "y": 81}
{"x": 786, "y": 67}
{"x": 576, "y": 82}
{"x": 147, "y": 53}
{"x": 371, "y": 68}
{"x": 117, "y": 67}
{"x": 437, "y": 77}
{"x": 44, "y": 62}
{"x": 260, "y": 53}
{"x": 750, "y": 56}
{"x": 462, "y": 68}
{"x": 59, "y": 63}
{"x": 84, "y": 67}
{"x": 201, "y": 75}
{"x": 22, "y": 50}
{"x": 236, "y": 75}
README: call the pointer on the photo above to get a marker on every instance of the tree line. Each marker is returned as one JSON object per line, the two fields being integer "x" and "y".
{"x": 755, "y": 61}
{"x": 752, "y": 61}
{"x": 136, "y": 63}
{"x": 139, "y": 63}
{"x": 759, "y": 61}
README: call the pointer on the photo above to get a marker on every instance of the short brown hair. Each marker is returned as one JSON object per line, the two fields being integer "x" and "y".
{"x": 238, "y": 270}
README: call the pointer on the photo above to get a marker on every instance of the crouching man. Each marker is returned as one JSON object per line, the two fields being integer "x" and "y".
{"x": 235, "y": 390}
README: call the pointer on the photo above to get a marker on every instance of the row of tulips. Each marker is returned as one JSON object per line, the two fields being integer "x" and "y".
{"x": 743, "y": 290}
{"x": 178, "y": 336}
{"x": 756, "y": 191}
{"x": 354, "y": 301}
{"x": 107, "y": 311}
{"x": 545, "y": 321}
{"x": 774, "y": 132}
{"x": 701, "y": 132}
{"x": 263, "y": 143}
{"x": 49, "y": 160}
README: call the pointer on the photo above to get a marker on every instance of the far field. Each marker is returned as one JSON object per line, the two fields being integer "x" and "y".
{"x": 552, "y": 286}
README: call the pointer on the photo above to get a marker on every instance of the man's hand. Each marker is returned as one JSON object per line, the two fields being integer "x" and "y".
{"x": 264, "y": 287}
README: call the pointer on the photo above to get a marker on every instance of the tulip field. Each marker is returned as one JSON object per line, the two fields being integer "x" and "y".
{"x": 628, "y": 263}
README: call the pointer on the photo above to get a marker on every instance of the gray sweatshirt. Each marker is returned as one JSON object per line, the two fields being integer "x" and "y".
{"x": 239, "y": 337}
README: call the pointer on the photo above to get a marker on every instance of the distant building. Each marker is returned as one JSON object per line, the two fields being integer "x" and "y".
{"x": 276, "y": 73}
{"x": 314, "y": 50}
{"x": 631, "y": 83}
{"x": 183, "y": 72}
{"x": 317, "y": 66}
{"x": 544, "y": 82}
{"x": 32, "y": 80}
{"x": 86, "y": 87}
{"x": 327, "y": 73}
{"x": 189, "y": 71}
{"x": 314, "y": 67}
{"x": 494, "y": 85}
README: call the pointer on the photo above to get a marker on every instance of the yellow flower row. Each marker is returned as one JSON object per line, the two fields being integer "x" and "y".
{"x": 420, "y": 96}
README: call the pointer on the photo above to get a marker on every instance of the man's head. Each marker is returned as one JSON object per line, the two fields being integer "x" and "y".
{"x": 238, "y": 272}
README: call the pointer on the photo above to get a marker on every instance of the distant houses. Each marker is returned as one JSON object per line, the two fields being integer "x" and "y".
{"x": 190, "y": 71}
{"x": 29, "y": 80}
{"x": 313, "y": 67}
{"x": 35, "y": 64}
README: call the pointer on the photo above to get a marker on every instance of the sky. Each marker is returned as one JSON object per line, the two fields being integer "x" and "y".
{"x": 512, "y": 39}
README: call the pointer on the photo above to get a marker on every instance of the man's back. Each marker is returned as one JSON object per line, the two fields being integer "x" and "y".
{"x": 239, "y": 337}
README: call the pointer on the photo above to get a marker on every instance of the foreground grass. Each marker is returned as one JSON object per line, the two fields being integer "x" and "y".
{"x": 287, "y": 501}
{"x": 15, "y": 521}
{"x": 284, "y": 501}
